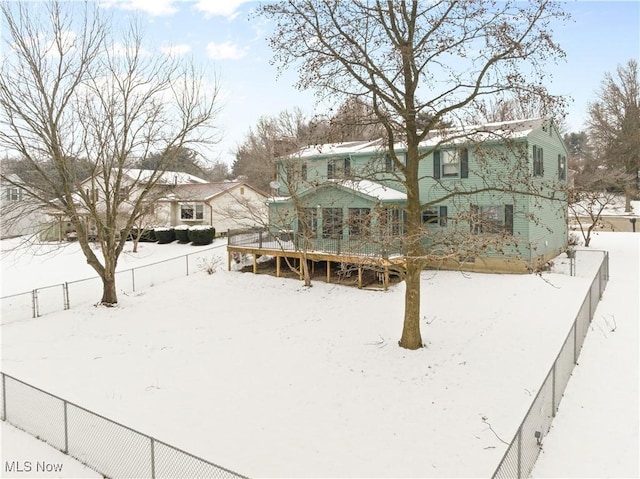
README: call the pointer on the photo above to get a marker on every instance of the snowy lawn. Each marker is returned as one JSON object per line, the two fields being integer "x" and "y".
{"x": 270, "y": 379}
{"x": 30, "y": 458}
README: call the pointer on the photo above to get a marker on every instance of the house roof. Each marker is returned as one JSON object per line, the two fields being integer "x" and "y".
{"x": 167, "y": 178}
{"x": 371, "y": 189}
{"x": 201, "y": 191}
{"x": 480, "y": 132}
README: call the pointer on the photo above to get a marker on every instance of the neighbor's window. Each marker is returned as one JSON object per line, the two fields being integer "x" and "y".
{"x": 538, "y": 161}
{"x": 13, "y": 194}
{"x": 191, "y": 212}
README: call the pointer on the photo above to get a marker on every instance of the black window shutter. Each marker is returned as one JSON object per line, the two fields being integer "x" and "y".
{"x": 508, "y": 218}
{"x": 464, "y": 163}
{"x": 443, "y": 216}
{"x": 436, "y": 164}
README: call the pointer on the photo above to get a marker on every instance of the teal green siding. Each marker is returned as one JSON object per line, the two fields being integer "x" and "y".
{"x": 539, "y": 222}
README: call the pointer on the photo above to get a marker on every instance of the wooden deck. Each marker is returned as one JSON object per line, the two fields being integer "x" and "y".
{"x": 361, "y": 262}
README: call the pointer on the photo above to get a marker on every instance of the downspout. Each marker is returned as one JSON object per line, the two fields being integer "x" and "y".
{"x": 210, "y": 213}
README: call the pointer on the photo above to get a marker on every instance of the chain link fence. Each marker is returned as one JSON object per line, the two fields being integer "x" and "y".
{"x": 110, "y": 448}
{"x": 523, "y": 451}
{"x": 49, "y": 299}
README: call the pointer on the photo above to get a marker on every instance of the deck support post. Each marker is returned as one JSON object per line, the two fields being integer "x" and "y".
{"x": 278, "y": 266}
{"x": 228, "y": 260}
{"x": 255, "y": 263}
{"x": 360, "y": 276}
{"x": 328, "y": 271}
{"x": 386, "y": 278}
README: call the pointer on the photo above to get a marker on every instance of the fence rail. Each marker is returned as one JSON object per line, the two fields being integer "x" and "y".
{"x": 58, "y": 297}
{"x": 523, "y": 451}
{"x": 106, "y": 446}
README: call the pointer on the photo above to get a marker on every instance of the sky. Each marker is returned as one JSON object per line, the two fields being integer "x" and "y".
{"x": 225, "y": 36}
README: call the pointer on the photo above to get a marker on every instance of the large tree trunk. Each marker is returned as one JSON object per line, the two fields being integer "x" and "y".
{"x": 109, "y": 296}
{"x": 411, "y": 337}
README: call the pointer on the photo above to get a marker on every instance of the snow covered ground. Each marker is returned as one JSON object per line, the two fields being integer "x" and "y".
{"x": 24, "y": 456}
{"x": 268, "y": 378}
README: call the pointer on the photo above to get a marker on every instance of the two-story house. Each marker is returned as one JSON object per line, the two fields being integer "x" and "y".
{"x": 493, "y": 196}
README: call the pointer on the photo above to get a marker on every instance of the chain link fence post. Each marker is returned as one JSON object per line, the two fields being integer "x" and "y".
{"x": 66, "y": 429}
{"x": 34, "y": 303}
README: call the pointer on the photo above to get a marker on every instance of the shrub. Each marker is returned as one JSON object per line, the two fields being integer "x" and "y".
{"x": 147, "y": 235}
{"x": 165, "y": 235}
{"x": 182, "y": 233}
{"x": 200, "y": 235}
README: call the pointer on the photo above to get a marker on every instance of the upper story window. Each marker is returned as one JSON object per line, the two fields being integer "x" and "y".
{"x": 562, "y": 167}
{"x": 451, "y": 163}
{"x": 538, "y": 161}
{"x": 390, "y": 166}
{"x": 296, "y": 172}
{"x": 191, "y": 212}
{"x": 339, "y": 168}
{"x": 13, "y": 193}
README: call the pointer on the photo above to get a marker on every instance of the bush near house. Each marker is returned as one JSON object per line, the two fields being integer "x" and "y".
{"x": 182, "y": 233}
{"x": 165, "y": 235}
{"x": 201, "y": 235}
{"x": 147, "y": 236}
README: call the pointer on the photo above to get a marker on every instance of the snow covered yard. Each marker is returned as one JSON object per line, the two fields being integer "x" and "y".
{"x": 267, "y": 378}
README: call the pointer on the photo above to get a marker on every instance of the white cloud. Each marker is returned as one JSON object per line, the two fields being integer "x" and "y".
{"x": 155, "y": 8}
{"x": 225, "y": 51}
{"x": 176, "y": 50}
{"x": 224, "y": 8}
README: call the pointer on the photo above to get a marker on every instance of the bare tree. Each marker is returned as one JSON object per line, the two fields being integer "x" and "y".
{"x": 270, "y": 138}
{"x": 421, "y": 65}
{"x": 72, "y": 86}
{"x": 614, "y": 125}
{"x": 592, "y": 193}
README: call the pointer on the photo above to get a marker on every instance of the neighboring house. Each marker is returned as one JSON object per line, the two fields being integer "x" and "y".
{"x": 19, "y": 214}
{"x": 345, "y": 199}
{"x": 224, "y": 205}
{"x": 176, "y": 199}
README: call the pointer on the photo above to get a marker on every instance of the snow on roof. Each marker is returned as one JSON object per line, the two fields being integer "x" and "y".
{"x": 167, "y": 178}
{"x": 337, "y": 148}
{"x": 202, "y": 191}
{"x": 373, "y": 189}
{"x": 481, "y": 132}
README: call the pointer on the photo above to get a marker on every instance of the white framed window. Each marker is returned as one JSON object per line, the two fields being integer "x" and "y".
{"x": 191, "y": 212}
{"x": 450, "y": 163}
